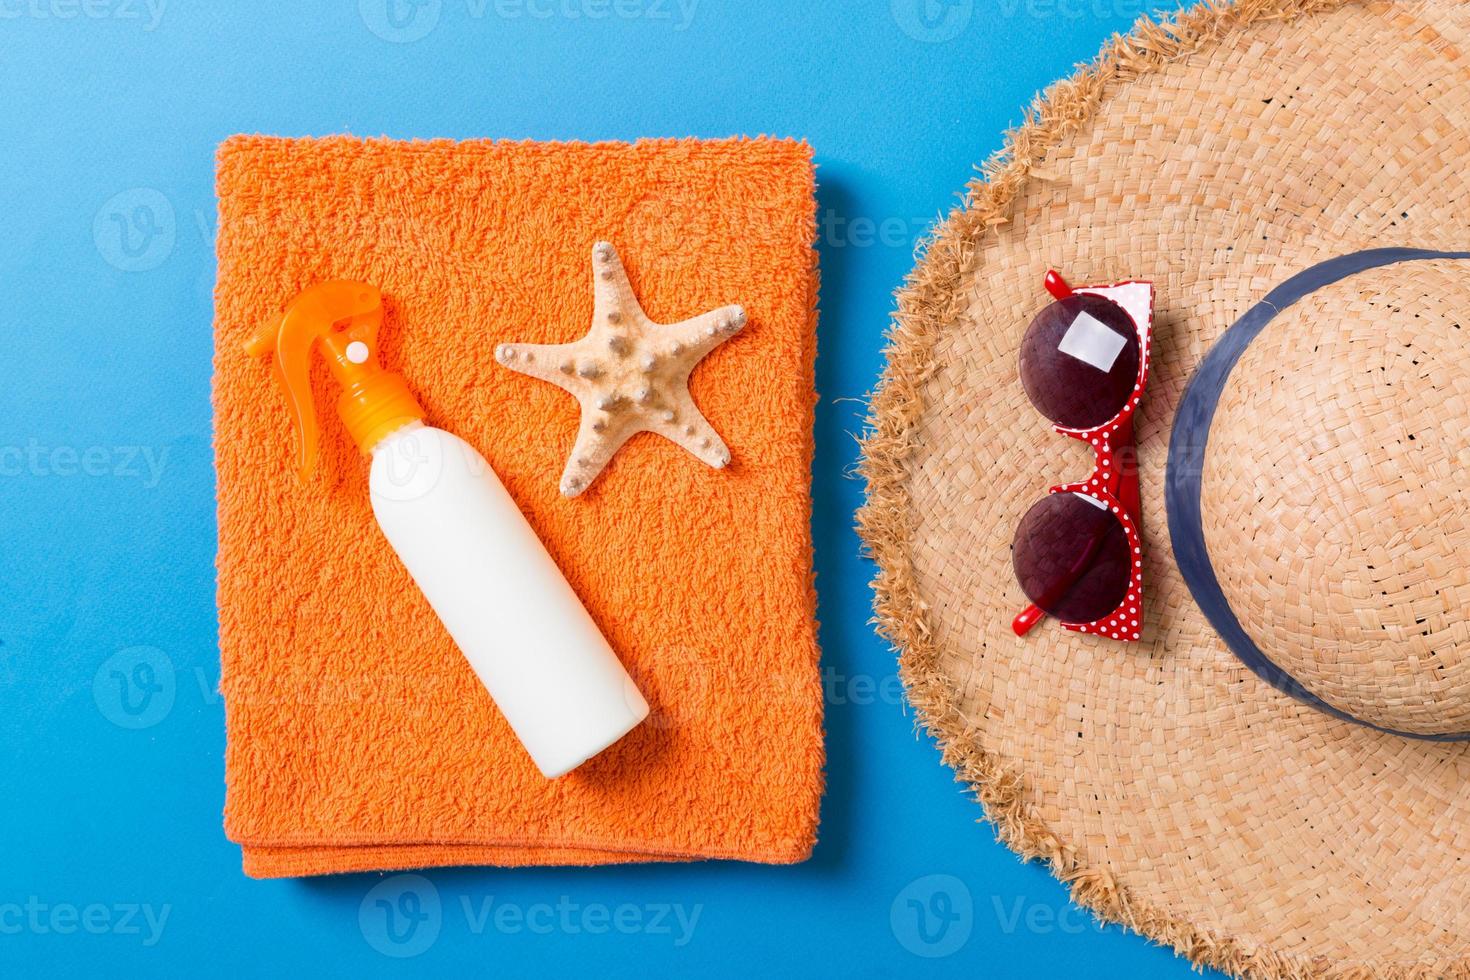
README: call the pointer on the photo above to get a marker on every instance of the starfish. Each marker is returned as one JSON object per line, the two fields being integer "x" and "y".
{"x": 630, "y": 374}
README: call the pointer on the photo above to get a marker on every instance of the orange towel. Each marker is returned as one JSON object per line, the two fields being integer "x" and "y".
{"x": 358, "y": 737}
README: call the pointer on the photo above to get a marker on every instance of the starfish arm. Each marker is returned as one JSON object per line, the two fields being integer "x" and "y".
{"x": 697, "y": 336}
{"x": 557, "y": 363}
{"x": 690, "y": 430}
{"x": 591, "y": 453}
{"x": 614, "y": 307}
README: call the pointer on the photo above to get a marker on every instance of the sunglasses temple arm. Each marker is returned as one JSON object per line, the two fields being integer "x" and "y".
{"x": 1056, "y": 285}
{"x": 1023, "y": 623}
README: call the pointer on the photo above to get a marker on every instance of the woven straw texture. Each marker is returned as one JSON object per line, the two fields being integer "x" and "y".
{"x": 1345, "y": 421}
{"x": 1218, "y": 154}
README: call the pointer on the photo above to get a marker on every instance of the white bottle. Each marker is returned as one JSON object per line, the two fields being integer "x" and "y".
{"x": 502, "y": 598}
{"x": 464, "y": 541}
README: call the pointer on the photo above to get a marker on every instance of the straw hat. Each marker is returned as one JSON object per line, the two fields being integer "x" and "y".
{"x": 1275, "y": 778}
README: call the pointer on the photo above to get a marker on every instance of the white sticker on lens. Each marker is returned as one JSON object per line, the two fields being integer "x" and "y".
{"x": 1090, "y": 340}
{"x": 1089, "y": 498}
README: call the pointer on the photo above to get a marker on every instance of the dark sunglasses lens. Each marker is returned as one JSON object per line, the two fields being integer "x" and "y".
{"x": 1072, "y": 558}
{"x": 1079, "y": 361}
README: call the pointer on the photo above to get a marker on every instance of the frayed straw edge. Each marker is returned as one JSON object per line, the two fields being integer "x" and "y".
{"x": 929, "y": 303}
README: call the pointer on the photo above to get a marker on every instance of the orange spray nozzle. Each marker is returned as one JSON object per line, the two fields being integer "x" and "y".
{"x": 345, "y": 317}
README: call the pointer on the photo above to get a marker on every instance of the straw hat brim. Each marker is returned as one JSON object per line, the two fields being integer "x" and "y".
{"x": 1217, "y": 154}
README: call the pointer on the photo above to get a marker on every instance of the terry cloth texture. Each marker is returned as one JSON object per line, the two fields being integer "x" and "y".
{"x": 358, "y": 736}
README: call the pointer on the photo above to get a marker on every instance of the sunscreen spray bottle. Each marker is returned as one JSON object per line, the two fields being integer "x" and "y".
{"x": 460, "y": 535}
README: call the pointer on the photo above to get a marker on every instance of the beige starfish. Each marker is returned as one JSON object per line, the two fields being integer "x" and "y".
{"x": 630, "y": 374}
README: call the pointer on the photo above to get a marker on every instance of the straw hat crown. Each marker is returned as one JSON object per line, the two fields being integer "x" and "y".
{"x": 1334, "y": 495}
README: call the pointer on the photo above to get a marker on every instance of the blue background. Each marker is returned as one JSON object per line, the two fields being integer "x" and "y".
{"x": 111, "y": 730}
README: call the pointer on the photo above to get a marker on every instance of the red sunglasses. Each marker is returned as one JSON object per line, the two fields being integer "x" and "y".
{"x": 1077, "y": 552}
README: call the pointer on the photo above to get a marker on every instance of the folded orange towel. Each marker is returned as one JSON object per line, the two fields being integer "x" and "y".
{"x": 358, "y": 737}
